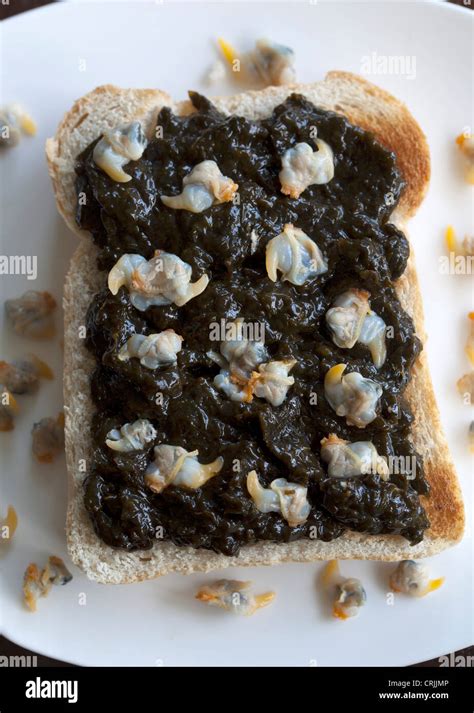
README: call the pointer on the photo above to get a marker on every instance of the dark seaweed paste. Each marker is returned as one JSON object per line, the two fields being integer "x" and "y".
{"x": 349, "y": 220}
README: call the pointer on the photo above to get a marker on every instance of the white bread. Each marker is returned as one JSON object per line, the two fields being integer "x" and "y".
{"x": 365, "y": 105}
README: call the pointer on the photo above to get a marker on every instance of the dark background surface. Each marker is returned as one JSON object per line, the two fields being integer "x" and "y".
{"x": 7, "y": 648}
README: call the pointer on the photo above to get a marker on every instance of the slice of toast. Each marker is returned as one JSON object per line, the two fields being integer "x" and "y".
{"x": 363, "y": 104}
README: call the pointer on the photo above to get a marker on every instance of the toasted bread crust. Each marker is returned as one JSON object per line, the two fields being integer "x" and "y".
{"x": 444, "y": 507}
{"x": 373, "y": 109}
{"x": 403, "y": 136}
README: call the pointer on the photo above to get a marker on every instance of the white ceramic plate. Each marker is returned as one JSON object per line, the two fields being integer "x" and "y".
{"x": 170, "y": 46}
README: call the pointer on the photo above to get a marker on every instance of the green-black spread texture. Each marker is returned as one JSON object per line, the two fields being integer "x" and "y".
{"x": 348, "y": 218}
